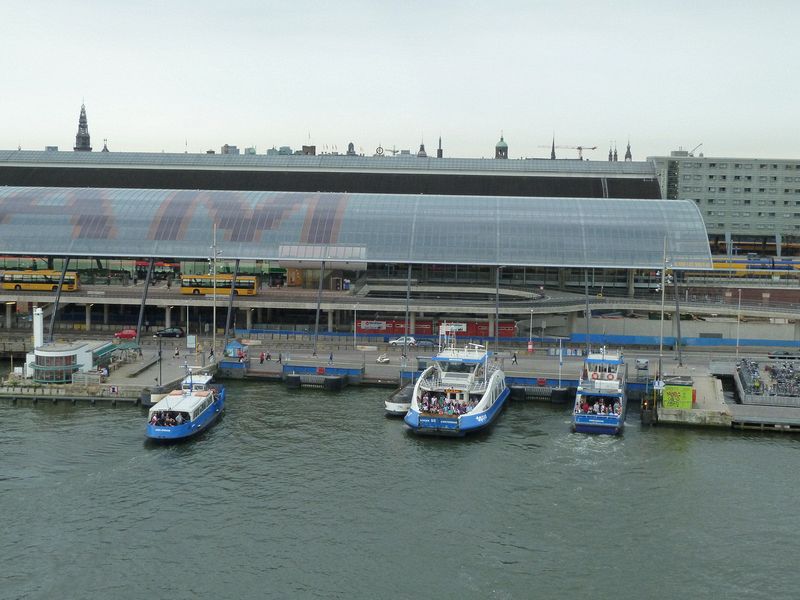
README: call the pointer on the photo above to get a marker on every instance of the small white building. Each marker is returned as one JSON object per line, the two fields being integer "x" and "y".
{"x": 56, "y": 362}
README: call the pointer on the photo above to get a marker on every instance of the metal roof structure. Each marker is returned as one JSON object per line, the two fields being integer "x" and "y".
{"x": 353, "y": 228}
{"x": 332, "y": 162}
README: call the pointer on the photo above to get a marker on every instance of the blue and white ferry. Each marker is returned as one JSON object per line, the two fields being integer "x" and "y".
{"x": 462, "y": 391}
{"x": 601, "y": 401}
{"x": 187, "y": 411}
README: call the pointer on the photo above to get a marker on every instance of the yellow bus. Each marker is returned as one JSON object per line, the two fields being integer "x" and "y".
{"x": 40, "y": 280}
{"x": 246, "y": 285}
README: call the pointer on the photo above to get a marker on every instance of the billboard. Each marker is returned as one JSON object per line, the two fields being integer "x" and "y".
{"x": 677, "y": 396}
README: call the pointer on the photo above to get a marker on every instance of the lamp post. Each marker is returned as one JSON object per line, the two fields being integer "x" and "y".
{"x": 661, "y": 334}
{"x": 355, "y": 324}
{"x": 530, "y": 334}
{"x": 738, "y": 320}
{"x": 159, "y": 359}
{"x": 214, "y": 254}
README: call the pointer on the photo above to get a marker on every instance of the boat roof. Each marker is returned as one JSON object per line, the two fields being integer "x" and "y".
{"x": 198, "y": 379}
{"x": 605, "y": 359}
{"x": 179, "y": 401}
{"x": 471, "y": 353}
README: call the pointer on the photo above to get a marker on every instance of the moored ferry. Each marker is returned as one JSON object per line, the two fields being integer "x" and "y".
{"x": 461, "y": 392}
{"x": 601, "y": 401}
{"x": 187, "y": 411}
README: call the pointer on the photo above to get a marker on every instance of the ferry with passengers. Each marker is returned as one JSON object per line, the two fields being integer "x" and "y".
{"x": 187, "y": 411}
{"x": 601, "y": 401}
{"x": 461, "y": 392}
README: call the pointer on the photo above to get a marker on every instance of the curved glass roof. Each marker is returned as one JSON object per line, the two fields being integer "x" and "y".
{"x": 391, "y": 228}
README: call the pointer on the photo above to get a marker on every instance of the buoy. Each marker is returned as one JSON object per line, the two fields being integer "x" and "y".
{"x": 610, "y": 376}
{"x": 594, "y": 375}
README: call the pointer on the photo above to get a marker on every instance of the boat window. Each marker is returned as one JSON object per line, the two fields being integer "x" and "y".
{"x": 449, "y": 367}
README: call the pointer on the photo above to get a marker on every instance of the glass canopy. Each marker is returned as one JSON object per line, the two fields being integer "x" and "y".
{"x": 383, "y": 228}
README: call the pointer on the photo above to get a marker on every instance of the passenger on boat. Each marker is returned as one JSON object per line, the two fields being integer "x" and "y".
{"x": 179, "y": 419}
{"x": 154, "y": 419}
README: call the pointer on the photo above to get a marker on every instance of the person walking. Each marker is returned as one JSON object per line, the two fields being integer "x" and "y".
{"x": 514, "y": 358}
{"x": 211, "y": 355}
{"x": 330, "y": 359}
{"x": 177, "y": 352}
{"x": 261, "y": 358}
{"x": 280, "y": 357}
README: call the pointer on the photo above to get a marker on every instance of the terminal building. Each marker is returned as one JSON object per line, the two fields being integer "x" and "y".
{"x": 456, "y": 252}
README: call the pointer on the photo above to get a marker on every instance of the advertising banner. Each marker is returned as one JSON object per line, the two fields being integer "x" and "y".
{"x": 677, "y": 396}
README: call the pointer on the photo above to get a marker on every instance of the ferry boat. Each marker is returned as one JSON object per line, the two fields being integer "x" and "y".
{"x": 600, "y": 401}
{"x": 187, "y": 411}
{"x": 461, "y": 392}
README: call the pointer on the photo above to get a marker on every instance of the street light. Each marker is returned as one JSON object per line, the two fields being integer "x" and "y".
{"x": 530, "y": 334}
{"x": 159, "y": 359}
{"x": 355, "y": 324}
{"x": 738, "y": 320}
{"x": 214, "y": 254}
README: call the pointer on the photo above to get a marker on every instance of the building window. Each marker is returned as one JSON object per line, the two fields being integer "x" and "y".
{"x": 722, "y": 189}
{"x": 762, "y": 178}
{"x": 762, "y": 166}
{"x": 712, "y": 189}
{"x": 687, "y": 177}
{"x": 723, "y": 165}
{"x": 712, "y": 177}
{"x": 720, "y": 201}
{"x": 747, "y": 201}
{"x": 711, "y": 201}
{"x": 737, "y": 190}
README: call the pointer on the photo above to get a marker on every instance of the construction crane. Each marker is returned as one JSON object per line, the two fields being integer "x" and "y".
{"x": 580, "y": 149}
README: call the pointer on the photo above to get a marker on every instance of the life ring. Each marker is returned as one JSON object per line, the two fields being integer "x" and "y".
{"x": 594, "y": 375}
{"x": 610, "y": 376}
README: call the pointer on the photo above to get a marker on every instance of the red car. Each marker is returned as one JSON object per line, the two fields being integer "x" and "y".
{"x": 126, "y": 334}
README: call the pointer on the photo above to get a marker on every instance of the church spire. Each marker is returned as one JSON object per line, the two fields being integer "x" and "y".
{"x": 553, "y": 148}
{"x": 439, "y": 151}
{"x": 615, "y": 153}
{"x": 82, "y": 142}
{"x": 628, "y": 155}
{"x": 610, "y": 154}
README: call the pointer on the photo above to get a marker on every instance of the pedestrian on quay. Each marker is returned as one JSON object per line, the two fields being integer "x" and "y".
{"x": 261, "y": 358}
{"x": 177, "y": 352}
{"x": 514, "y": 358}
{"x": 280, "y": 357}
{"x": 330, "y": 359}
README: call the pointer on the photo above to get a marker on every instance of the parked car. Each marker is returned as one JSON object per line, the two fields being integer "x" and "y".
{"x": 784, "y": 355}
{"x": 173, "y": 332}
{"x": 126, "y": 334}
{"x": 403, "y": 341}
{"x": 426, "y": 344}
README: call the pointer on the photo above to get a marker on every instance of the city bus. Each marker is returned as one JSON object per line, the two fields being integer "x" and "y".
{"x": 246, "y": 285}
{"x": 40, "y": 280}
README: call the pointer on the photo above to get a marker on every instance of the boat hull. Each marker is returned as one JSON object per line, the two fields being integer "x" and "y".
{"x": 455, "y": 426}
{"x": 396, "y": 409}
{"x": 598, "y": 424}
{"x": 186, "y": 430}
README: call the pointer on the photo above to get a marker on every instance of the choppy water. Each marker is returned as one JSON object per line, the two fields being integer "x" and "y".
{"x": 307, "y": 494}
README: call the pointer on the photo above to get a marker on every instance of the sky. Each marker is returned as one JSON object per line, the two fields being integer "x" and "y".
{"x": 179, "y": 76}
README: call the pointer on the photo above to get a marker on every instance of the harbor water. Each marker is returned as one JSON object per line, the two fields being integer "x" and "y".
{"x": 303, "y": 494}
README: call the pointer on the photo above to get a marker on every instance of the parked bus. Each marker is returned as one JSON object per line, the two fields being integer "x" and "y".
{"x": 43, "y": 280}
{"x": 246, "y": 285}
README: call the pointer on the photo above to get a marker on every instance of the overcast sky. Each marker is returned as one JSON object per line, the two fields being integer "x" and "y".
{"x": 175, "y": 75}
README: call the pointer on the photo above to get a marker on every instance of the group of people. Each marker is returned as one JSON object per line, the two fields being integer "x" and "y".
{"x": 168, "y": 418}
{"x": 600, "y": 406}
{"x": 442, "y": 405}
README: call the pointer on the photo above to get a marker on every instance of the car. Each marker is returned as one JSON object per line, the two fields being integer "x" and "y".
{"x": 426, "y": 344}
{"x": 784, "y": 355}
{"x": 126, "y": 334}
{"x": 173, "y": 332}
{"x": 403, "y": 341}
